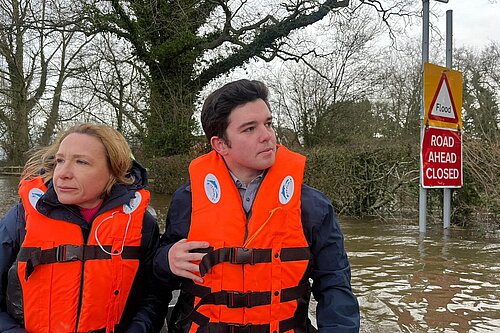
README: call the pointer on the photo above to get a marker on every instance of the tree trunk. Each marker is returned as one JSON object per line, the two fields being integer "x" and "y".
{"x": 53, "y": 117}
{"x": 18, "y": 144}
{"x": 170, "y": 122}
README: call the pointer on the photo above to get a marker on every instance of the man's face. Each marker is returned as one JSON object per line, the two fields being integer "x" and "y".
{"x": 250, "y": 147}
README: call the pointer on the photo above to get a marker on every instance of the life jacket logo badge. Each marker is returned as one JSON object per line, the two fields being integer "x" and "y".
{"x": 133, "y": 204}
{"x": 34, "y": 195}
{"x": 286, "y": 190}
{"x": 212, "y": 188}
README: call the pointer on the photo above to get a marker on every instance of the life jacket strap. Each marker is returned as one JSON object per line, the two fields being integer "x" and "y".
{"x": 250, "y": 256}
{"x": 221, "y": 327}
{"x": 235, "y": 299}
{"x": 34, "y": 256}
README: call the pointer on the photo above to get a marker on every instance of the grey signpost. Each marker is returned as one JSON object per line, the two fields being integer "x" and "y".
{"x": 449, "y": 55}
{"x": 422, "y": 216}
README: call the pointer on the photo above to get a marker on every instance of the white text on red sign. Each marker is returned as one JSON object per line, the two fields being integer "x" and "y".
{"x": 442, "y": 158}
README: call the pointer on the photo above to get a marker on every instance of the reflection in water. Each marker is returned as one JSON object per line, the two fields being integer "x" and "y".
{"x": 409, "y": 283}
{"x": 160, "y": 204}
{"x": 405, "y": 282}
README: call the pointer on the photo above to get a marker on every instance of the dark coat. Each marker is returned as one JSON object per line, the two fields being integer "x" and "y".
{"x": 147, "y": 304}
{"x": 337, "y": 310}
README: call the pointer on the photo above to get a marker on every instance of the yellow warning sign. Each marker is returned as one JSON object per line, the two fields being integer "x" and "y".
{"x": 442, "y": 97}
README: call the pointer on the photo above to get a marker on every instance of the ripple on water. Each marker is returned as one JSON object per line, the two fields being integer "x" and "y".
{"x": 431, "y": 283}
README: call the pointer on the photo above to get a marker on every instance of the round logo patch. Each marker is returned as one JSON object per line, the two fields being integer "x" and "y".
{"x": 212, "y": 188}
{"x": 35, "y": 195}
{"x": 133, "y": 204}
{"x": 286, "y": 190}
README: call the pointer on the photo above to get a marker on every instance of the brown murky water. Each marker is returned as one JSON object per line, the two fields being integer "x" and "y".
{"x": 405, "y": 282}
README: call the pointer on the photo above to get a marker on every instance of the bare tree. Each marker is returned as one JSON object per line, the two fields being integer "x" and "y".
{"x": 397, "y": 103}
{"x": 480, "y": 94}
{"x": 25, "y": 85}
{"x": 68, "y": 44}
{"x": 118, "y": 82}
{"x": 187, "y": 44}
{"x": 322, "y": 97}
{"x": 38, "y": 54}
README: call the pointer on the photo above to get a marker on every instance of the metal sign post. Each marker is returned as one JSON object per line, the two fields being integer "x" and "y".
{"x": 449, "y": 57}
{"x": 422, "y": 198}
{"x": 422, "y": 210}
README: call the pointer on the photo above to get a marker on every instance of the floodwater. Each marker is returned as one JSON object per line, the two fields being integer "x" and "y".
{"x": 405, "y": 281}
{"x": 409, "y": 283}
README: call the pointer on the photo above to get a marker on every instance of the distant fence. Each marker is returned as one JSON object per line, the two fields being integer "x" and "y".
{"x": 11, "y": 170}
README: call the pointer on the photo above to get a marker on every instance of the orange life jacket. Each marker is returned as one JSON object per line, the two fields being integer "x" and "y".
{"x": 72, "y": 286}
{"x": 257, "y": 269}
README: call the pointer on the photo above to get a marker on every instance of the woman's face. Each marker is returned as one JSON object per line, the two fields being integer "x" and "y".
{"x": 81, "y": 171}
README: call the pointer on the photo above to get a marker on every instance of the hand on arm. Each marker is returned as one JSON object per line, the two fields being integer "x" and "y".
{"x": 182, "y": 261}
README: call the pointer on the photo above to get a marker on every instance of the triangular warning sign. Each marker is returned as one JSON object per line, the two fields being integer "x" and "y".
{"x": 442, "y": 105}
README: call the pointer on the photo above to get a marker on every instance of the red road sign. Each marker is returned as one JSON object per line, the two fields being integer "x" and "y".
{"x": 441, "y": 158}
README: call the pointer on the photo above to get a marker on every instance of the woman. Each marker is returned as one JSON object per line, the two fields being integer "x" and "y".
{"x": 76, "y": 252}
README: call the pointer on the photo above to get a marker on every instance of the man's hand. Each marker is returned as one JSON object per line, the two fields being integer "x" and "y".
{"x": 181, "y": 260}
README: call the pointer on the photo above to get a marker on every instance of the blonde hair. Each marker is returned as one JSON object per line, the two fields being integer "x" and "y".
{"x": 118, "y": 154}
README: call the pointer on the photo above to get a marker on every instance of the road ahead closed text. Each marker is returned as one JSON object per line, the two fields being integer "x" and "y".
{"x": 442, "y": 158}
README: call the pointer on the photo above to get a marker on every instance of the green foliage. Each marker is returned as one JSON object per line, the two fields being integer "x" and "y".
{"x": 169, "y": 139}
{"x": 339, "y": 124}
{"x": 363, "y": 179}
{"x": 465, "y": 201}
{"x": 168, "y": 173}
{"x": 170, "y": 121}
{"x": 378, "y": 178}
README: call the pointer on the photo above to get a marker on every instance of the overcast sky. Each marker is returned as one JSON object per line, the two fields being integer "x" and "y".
{"x": 475, "y": 22}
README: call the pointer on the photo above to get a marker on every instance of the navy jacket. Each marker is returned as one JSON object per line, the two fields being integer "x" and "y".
{"x": 337, "y": 310}
{"x": 146, "y": 306}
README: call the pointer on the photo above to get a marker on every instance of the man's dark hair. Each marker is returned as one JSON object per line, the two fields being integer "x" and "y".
{"x": 220, "y": 103}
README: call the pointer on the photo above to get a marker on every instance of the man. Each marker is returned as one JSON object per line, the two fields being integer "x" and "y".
{"x": 245, "y": 235}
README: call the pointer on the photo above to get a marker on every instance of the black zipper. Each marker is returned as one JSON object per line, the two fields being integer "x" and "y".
{"x": 82, "y": 278}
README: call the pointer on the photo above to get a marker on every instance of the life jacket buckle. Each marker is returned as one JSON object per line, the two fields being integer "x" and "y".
{"x": 242, "y": 255}
{"x": 238, "y": 299}
{"x": 68, "y": 252}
